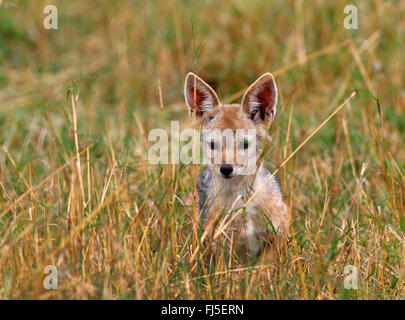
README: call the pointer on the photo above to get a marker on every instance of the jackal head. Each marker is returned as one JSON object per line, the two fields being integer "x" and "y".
{"x": 232, "y": 133}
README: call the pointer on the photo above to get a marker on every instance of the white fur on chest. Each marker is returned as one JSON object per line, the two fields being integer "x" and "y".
{"x": 232, "y": 194}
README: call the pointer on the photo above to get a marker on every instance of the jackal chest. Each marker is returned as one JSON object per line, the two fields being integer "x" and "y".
{"x": 236, "y": 221}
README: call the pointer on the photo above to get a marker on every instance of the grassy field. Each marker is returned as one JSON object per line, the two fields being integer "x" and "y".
{"x": 76, "y": 106}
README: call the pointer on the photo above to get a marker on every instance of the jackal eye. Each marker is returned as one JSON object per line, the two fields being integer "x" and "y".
{"x": 244, "y": 144}
{"x": 213, "y": 146}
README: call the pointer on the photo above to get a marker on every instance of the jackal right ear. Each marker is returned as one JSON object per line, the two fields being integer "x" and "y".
{"x": 200, "y": 97}
{"x": 260, "y": 99}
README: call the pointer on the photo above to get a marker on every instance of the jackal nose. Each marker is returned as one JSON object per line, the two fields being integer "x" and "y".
{"x": 226, "y": 169}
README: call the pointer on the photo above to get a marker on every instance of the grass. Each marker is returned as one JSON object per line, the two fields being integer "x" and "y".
{"x": 76, "y": 106}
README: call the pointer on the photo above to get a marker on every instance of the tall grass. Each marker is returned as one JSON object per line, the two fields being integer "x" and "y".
{"x": 76, "y": 106}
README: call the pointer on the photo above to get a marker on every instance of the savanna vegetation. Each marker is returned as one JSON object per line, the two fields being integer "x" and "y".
{"x": 77, "y": 103}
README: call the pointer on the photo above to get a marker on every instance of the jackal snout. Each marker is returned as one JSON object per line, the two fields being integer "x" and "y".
{"x": 226, "y": 170}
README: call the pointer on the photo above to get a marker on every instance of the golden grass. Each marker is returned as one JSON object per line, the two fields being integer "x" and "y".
{"x": 77, "y": 191}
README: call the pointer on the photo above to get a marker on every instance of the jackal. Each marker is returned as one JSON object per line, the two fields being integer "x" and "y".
{"x": 244, "y": 205}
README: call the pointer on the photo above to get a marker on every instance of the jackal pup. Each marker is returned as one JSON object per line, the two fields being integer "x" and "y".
{"x": 249, "y": 202}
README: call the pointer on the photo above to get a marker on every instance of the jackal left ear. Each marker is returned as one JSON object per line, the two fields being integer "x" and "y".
{"x": 260, "y": 99}
{"x": 200, "y": 97}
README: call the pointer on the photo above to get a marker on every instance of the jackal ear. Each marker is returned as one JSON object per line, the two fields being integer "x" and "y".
{"x": 260, "y": 99}
{"x": 199, "y": 96}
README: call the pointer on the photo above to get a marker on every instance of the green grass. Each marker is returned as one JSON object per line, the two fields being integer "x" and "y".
{"x": 96, "y": 224}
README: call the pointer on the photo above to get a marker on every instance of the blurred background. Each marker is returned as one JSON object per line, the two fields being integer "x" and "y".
{"x": 120, "y": 51}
